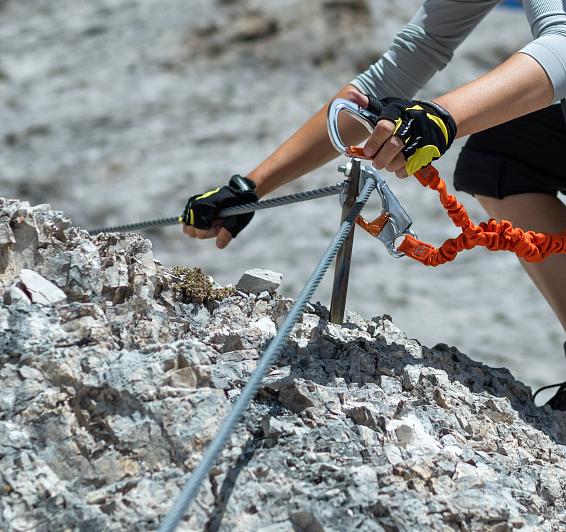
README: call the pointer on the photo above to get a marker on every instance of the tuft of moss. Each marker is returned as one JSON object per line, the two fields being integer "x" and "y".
{"x": 194, "y": 286}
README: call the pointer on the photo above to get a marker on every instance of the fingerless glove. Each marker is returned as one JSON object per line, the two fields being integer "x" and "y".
{"x": 203, "y": 209}
{"x": 426, "y": 129}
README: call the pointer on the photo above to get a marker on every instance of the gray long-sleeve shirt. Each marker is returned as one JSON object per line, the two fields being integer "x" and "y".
{"x": 427, "y": 43}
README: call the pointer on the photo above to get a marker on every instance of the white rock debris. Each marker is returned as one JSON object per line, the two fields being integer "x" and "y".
{"x": 109, "y": 397}
{"x": 259, "y": 281}
{"x": 40, "y": 289}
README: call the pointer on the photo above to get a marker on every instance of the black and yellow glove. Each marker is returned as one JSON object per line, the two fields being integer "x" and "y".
{"x": 426, "y": 129}
{"x": 203, "y": 209}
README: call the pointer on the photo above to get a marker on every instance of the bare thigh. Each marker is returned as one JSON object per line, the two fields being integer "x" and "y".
{"x": 543, "y": 213}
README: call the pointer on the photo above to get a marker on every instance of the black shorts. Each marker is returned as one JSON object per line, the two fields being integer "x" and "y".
{"x": 523, "y": 155}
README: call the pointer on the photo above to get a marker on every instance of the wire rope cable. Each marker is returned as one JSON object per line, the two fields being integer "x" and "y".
{"x": 192, "y": 486}
{"x": 230, "y": 211}
{"x": 148, "y": 224}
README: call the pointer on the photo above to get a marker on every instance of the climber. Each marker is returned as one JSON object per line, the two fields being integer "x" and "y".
{"x": 511, "y": 162}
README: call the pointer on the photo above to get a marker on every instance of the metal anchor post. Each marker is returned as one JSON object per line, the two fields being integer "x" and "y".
{"x": 344, "y": 257}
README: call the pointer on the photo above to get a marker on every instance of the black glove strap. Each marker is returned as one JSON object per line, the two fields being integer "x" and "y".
{"x": 243, "y": 184}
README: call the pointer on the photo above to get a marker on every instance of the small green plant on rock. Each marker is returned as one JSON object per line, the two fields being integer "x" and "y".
{"x": 193, "y": 286}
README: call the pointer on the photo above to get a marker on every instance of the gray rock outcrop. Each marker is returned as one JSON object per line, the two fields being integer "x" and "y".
{"x": 110, "y": 395}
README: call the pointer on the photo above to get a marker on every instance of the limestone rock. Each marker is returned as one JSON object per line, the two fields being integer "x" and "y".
{"x": 111, "y": 395}
{"x": 40, "y": 289}
{"x": 15, "y": 295}
{"x": 258, "y": 281}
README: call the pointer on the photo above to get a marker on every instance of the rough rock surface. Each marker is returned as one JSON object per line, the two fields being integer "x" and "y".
{"x": 117, "y": 111}
{"x": 108, "y": 398}
{"x": 258, "y": 281}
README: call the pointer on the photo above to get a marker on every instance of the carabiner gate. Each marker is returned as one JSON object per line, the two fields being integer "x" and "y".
{"x": 367, "y": 119}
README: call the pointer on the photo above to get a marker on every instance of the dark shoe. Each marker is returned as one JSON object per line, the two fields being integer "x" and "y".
{"x": 558, "y": 402}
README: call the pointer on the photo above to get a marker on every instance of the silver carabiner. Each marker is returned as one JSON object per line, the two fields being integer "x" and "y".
{"x": 393, "y": 222}
{"x": 367, "y": 119}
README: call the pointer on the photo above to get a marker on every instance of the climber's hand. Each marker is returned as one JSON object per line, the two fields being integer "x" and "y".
{"x": 200, "y": 217}
{"x": 409, "y": 135}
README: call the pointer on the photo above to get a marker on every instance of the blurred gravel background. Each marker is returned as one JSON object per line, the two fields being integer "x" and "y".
{"x": 117, "y": 110}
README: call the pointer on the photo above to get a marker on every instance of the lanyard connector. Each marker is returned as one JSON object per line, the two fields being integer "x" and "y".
{"x": 393, "y": 221}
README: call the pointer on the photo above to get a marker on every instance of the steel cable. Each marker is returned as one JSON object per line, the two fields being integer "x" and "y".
{"x": 191, "y": 488}
{"x": 230, "y": 211}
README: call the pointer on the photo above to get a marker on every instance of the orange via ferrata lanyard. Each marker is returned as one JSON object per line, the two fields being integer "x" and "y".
{"x": 530, "y": 246}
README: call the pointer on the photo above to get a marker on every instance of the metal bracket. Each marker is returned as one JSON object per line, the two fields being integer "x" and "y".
{"x": 344, "y": 257}
{"x": 391, "y": 224}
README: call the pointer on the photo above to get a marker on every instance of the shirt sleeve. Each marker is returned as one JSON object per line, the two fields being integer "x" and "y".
{"x": 423, "y": 47}
{"x": 548, "y": 25}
